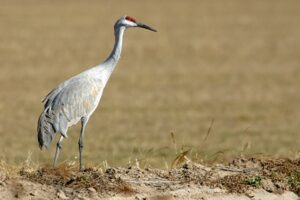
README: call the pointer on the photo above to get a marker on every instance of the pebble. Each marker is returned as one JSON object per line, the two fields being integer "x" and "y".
{"x": 61, "y": 195}
{"x": 91, "y": 189}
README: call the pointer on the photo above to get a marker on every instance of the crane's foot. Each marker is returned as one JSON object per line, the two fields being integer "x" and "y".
{"x": 81, "y": 168}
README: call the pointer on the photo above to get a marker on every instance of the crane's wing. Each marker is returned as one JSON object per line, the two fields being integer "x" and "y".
{"x": 76, "y": 99}
{"x": 66, "y": 105}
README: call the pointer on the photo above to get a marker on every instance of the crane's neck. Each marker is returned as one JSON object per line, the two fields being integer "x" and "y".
{"x": 111, "y": 62}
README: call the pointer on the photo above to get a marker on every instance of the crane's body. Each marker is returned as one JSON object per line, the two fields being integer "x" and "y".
{"x": 77, "y": 98}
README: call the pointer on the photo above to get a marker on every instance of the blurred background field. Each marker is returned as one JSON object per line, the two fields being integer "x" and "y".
{"x": 235, "y": 62}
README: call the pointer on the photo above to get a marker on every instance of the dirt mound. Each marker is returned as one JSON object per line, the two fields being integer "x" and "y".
{"x": 240, "y": 179}
{"x": 271, "y": 175}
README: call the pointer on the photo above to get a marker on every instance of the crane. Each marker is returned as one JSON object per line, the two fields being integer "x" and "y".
{"x": 77, "y": 98}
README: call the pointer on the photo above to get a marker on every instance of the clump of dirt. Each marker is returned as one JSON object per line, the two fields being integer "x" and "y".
{"x": 284, "y": 173}
{"x": 274, "y": 176}
{"x": 64, "y": 176}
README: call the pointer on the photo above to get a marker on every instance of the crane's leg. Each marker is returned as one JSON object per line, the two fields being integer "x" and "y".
{"x": 84, "y": 121}
{"x": 58, "y": 148}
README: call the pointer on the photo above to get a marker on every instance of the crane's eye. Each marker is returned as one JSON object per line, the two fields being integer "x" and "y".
{"x": 130, "y": 19}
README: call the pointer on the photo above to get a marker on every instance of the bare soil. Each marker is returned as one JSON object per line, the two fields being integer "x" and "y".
{"x": 240, "y": 179}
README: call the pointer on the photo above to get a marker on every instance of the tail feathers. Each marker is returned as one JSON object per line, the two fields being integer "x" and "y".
{"x": 45, "y": 129}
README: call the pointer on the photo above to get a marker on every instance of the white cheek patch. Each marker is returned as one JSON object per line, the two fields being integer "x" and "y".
{"x": 129, "y": 23}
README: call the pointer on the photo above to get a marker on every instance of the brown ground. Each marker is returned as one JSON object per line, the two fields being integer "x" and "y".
{"x": 241, "y": 179}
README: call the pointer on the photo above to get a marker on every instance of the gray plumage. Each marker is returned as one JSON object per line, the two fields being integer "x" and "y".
{"x": 66, "y": 105}
{"x": 78, "y": 97}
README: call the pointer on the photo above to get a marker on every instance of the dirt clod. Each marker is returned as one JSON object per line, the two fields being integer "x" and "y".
{"x": 244, "y": 177}
{"x": 62, "y": 195}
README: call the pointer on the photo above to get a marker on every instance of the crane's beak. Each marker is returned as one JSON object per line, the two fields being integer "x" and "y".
{"x": 141, "y": 25}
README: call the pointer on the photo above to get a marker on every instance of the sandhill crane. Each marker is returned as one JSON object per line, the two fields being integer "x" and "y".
{"x": 77, "y": 98}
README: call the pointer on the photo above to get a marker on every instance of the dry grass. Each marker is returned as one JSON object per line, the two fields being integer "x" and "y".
{"x": 235, "y": 62}
{"x": 240, "y": 176}
{"x": 64, "y": 176}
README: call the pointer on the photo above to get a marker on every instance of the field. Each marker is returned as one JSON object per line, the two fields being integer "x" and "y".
{"x": 220, "y": 79}
{"x": 235, "y": 63}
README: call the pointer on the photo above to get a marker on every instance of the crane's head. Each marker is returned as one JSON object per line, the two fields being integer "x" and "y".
{"x": 128, "y": 22}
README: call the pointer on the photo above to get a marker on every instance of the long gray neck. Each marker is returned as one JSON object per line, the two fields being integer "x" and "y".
{"x": 111, "y": 62}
